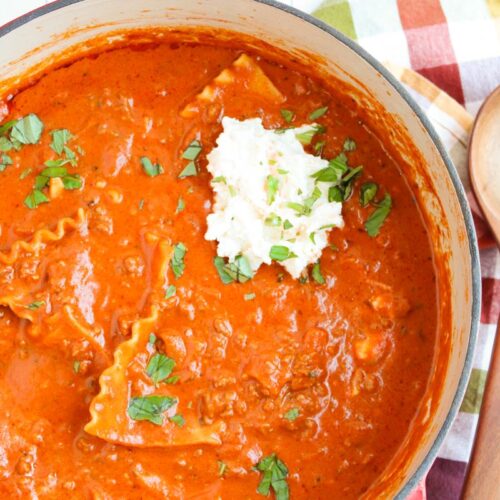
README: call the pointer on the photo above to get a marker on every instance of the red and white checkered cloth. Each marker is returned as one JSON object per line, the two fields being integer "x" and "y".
{"x": 438, "y": 49}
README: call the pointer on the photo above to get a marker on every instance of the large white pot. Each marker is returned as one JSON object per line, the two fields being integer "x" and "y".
{"x": 30, "y": 42}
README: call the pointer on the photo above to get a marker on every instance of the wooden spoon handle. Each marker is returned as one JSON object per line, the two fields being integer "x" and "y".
{"x": 483, "y": 476}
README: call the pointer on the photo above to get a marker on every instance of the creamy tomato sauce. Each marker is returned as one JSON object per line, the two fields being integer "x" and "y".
{"x": 328, "y": 377}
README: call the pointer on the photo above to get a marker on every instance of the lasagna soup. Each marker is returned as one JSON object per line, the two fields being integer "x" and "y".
{"x": 215, "y": 280}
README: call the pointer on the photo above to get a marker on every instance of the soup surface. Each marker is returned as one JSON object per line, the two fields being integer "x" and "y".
{"x": 310, "y": 385}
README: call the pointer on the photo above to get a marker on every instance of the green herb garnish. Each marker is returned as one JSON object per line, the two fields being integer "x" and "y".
{"x": 287, "y": 225}
{"x": 292, "y": 414}
{"x": 229, "y": 272}
{"x": 189, "y": 170}
{"x": 280, "y": 253}
{"x": 35, "y": 305}
{"x": 271, "y": 188}
{"x": 151, "y": 169}
{"x": 249, "y": 296}
{"x": 178, "y": 420}
{"x": 316, "y": 274}
{"x": 273, "y": 220}
{"x": 60, "y": 137}
{"x": 35, "y": 198}
{"x": 25, "y": 173}
{"x": 5, "y": 161}
{"x": 221, "y": 468}
{"x": 170, "y": 291}
{"x": 349, "y": 144}
{"x": 274, "y": 474}
{"x": 287, "y": 115}
{"x": 150, "y": 408}
{"x": 318, "y": 113}
{"x": 152, "y": 339}
{"x": 192, "y": 151}
{"x": 76, "y": 366}
{"x": 71, "y": 182}
{"x": 378, "y": 216}
{"x": 160, "y": 367}
{"x": 305, "y": 138}
{"x": 181, "y": 205}
{"x": 177, "y": 261}
{"x": 367, "y": 193}
{"x": 27, "y": 130}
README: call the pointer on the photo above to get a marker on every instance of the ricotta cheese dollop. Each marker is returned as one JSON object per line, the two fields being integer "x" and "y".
{"x": 267, "y": 204}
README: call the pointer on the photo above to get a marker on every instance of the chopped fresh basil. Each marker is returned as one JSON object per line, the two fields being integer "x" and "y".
{"x": 271, "y": 188}
{"x": 280, "y": 253}
{"x": 367, "y": 193}
{"x": 5, "y": 161}
{"x": 160, "y": 367}
{"x": 151, "y": 169}
{"x": 27, "y": 130}
{"x": 7, "y": 126}
{"x": 35, "y": 198}
{"x": 318, "y": 113}
{"x": 54, "y": 171}
{"x": 306, "y": 137}
{"x": 249, "y": 296}
{"x": 71, "y": 182}
{"x": 273, "y": 220}
{"x": 332, "y": 173}
{"x": 287, "y": 225}
{"x": 76, "y": 366}
{"x": 58, "y": 162}
{"x": 349, "y": 144}
{"x": 282, "y": 171}
{"x": 5, "y": 145}
{"x": 229, "y": 272}
{"x": 318, "y": 147}
{"x": 41, "y": 181}
{"x": 189, "y": 170}
{"x": 178, "y": 420}
{"x": 35, "y": 305}
{"x": 221, "y": 468}
{"x": 192, "y": 151}
{"x": 378, "y": 216}
{"x": 150, "y": 408}
{"x": 292, "y": 414}
{"x": 287, "y": 115}
{"x": 170, "y": 291}
{"x": 177, "y": 261}
{"x": 25, "y": 173}
{"x": 152, "y": 339}
{"x": 274, "y": 474}
{"x": 181, "y": 205}
{"x": 219, "y": 178}
{"x": 312, "y": 237}
{"x": 60, "y": 138}
{"x": 172, "y": 380}
{"x": 316, "y": 274}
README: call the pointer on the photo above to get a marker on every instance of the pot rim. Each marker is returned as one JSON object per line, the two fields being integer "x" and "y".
{"x": 457, "y": 184}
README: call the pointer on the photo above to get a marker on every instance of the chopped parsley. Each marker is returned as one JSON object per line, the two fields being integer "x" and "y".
{"x": 292, "y": 414}
{"x": 172, "y": 380}
{"x": 367, "y": 193}
{"x": 271, "y": 188}
{"x": 287, "y": 115}
{"x": 150, "y": 408}
{"x": 306, "y": 207}
{"x": 189, "y": 170}
{"x": 178, "y": 420}
{"x": 152, "y": 339}
{"x": 287, "y": 225}
{"x": 316, "y": 274}
{"x": 318, "y": 113}
{"x": 170, "y": 291}
{"x": 181, "y": 205}
{"x": 177, "y": 261}
{"x": 151, "y": 169}
{"x": 280, "y": 253}
{"x": 378, "y": 216}
{"x": 160, "y": 367}
{"x": 229, "y": 272}
{"x": 273, "y": 220}
{"x": 274, "y": 474}
{"x": 71, "y": 182}
{"x": 27, "y": 130}
{"x": 7, "y": 126}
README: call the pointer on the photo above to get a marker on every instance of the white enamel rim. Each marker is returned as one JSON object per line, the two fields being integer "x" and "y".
{"x": 284, "y": 23}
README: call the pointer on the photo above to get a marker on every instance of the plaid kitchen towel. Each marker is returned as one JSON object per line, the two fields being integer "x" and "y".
{"x": 453, "y": 50}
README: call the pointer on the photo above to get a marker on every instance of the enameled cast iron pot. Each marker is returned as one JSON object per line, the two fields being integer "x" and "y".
{"x": 42, "y": 34}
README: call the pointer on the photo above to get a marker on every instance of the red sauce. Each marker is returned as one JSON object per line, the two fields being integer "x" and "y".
{"x": 351, "y": 358}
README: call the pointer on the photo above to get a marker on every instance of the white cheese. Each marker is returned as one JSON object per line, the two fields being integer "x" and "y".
{"x": 246, "y": 162}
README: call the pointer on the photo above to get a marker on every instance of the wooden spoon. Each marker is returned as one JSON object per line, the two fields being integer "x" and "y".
{"x": 483, "y": 475}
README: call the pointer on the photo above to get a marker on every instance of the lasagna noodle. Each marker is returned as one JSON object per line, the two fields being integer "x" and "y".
{"x": 118, "y": 384}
